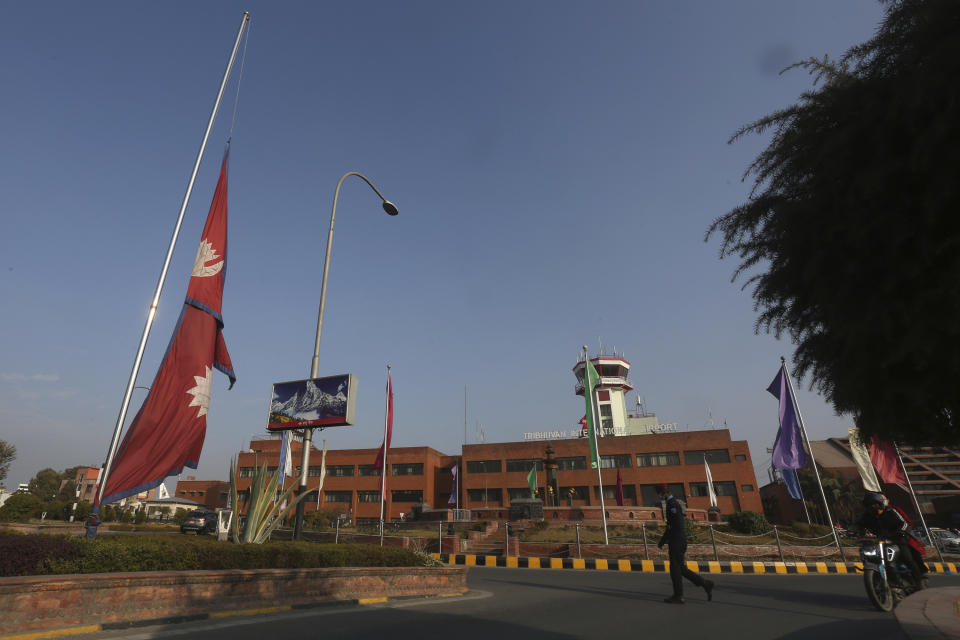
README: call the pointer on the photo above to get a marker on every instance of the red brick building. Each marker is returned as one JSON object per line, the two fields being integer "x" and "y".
{"x": 209, "y": 493}
{"x": 493, "y": 474}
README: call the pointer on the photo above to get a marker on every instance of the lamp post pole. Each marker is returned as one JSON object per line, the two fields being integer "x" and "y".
{"x": 390, "y": 209}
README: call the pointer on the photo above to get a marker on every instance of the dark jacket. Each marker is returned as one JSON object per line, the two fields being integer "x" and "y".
{"x": 676, "y": 523}
{"x": 889, "y": 523}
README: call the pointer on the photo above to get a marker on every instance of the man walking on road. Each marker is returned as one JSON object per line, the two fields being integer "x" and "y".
{"x": 675, "y": 537}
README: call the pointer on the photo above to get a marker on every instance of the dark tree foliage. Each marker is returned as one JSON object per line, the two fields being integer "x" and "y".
{"x": 855, "y": 213}
{"x": 8, "y": 453}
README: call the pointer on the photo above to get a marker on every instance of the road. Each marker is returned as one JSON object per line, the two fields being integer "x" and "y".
{"x": 542, "y": 603}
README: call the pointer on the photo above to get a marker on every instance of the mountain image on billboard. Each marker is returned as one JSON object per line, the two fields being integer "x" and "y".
{"x": 320, "y": 402}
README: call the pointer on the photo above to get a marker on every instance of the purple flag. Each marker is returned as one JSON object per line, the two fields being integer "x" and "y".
{"x": 788, "y": 450}
{"x": 453, "y": 492}
{"x": 792, "y": 483}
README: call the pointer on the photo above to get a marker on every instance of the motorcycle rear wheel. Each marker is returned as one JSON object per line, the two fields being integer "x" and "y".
{"x": 877, "y": 590}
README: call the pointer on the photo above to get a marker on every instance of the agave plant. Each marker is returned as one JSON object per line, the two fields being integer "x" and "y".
{"x": 264, "y": 511}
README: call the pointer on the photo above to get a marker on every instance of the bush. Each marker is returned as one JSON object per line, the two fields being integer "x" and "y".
{"x": 141, "y": 517}
{"x": 810, "y": 530}
{"x": 749, "y": 523}
{"x": 24, "y": 555}
{"x": 21, "y": 507}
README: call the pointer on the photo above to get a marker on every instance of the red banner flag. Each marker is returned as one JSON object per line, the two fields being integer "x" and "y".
{"x": 884, "y": 458}
{"x": 167, "y": 433}
{"x": 382, "y": 454}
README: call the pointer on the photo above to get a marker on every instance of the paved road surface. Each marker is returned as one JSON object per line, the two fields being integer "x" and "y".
{"x": 532, "y": 604}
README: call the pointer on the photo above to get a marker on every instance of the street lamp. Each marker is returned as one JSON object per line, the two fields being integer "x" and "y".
{"x": 390, "y": 209}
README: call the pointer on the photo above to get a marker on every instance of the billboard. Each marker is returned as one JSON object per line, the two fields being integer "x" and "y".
{"x": 317, "y": 402}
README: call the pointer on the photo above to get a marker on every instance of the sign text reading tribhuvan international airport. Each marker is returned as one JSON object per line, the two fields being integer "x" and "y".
{"x": 582, "y": 433}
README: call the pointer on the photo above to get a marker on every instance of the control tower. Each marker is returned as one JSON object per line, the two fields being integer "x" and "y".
{"x": 611, "y": 392}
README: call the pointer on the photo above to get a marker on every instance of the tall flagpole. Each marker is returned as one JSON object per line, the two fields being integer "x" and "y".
{"x": 813, "y": 461}
{"x": 917, "y": 502}
{"x": 596, "y": 448}
{"x": 383, "y": 470}
{"x": 151, "y": 314}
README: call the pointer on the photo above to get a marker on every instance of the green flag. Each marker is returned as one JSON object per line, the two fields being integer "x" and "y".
{"x": 590, "y": 377}
{"x": 532, "y": 480}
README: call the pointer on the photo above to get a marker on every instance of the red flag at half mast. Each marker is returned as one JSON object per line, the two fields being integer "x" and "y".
{"x": 167, "y": 433}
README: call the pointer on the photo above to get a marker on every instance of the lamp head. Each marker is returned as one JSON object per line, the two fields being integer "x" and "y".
{"x": 390, "y": 208}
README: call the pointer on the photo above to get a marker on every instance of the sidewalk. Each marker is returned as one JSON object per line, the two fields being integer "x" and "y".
{"x": 932, "y": 614}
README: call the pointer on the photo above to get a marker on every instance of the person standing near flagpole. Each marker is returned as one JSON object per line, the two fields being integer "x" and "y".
{"x": 675, "y": 537}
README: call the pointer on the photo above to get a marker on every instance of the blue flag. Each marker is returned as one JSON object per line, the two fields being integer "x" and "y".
{"x": 453, "y": 491}
{"x": 792, "y": 482}
{"x": 788, "y": 450}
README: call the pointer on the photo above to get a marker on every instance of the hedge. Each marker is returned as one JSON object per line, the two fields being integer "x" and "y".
{"x": 42, "y": 554}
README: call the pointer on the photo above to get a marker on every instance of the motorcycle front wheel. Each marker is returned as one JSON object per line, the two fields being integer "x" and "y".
{"x": 877, "y": 590}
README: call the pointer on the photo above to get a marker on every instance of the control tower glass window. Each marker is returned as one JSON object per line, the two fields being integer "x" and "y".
{"x": 606, "y": 418}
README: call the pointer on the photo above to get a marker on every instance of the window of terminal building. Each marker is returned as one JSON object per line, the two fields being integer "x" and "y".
{"x": 610, "y": 493}
{"x": 522, "y": 493}
{"x": 572, "y": 464}
{"x": 614, "y": 461}
{"x": 340, "y": 470}
{"x": 368, "y": 470}
{"x": 486, "y": 496}
{"x": 711, "y": 456}
{"x": 407, "y": 495}
{"x": 746, "y": 488}
{"x": 606, "y": 417}
{"x": 245, "y": 472}
{"x": 524, "y": 466}
{"x": 649, "y": 497}
{"x": 573, "y": 493}
{"x": 740, "y": 457}
{"x": 199, "y": 493}
{"x": 368, "y": 496}
{"x": 312, "y": 471}
{"x": 661, "y": 459}
{"x": 722, "y": 488}
{"x": 408, "y": 469}
{"x": 484, "y": 466}
{"x": 223, "y": 495}
{"x": 337, "y": 496}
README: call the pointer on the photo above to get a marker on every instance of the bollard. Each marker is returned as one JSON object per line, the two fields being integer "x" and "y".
{"x": 336, "y": 536}
{"x": 779, "y": 548}
{"x": 643, "y": 530}
{"x": 713, "y": 539}
{"x": 578, "y": 541}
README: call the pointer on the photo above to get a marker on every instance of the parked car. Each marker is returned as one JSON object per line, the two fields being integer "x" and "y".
{"x": 199, "y": 521}
{"x": 947, "y": 540}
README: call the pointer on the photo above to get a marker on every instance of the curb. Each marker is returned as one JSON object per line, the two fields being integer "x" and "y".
{"x": 655, "y": 566}
{"x": 215, "y": 615}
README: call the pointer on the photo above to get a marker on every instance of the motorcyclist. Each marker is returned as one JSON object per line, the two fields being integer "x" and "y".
{"x": 887, "y": 521}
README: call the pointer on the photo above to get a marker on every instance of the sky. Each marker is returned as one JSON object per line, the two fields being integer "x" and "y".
{"x": 555, "y": 166}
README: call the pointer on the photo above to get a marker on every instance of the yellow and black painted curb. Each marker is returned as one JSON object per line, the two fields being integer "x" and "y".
{"x": 653, "y": 566}
{"x": 215, "y": 615}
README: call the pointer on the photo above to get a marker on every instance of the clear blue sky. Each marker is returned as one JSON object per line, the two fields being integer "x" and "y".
{"x": 555, "y": 164}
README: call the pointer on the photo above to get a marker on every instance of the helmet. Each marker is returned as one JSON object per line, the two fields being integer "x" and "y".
{"x": 874, "y": 499}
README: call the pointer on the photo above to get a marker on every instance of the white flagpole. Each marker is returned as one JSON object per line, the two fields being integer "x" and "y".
{"x": 813, "y": 461}
{"x": 917, "y": 502}
{"x": 151, "y": 314}
{"x": 596, "y": 447}
{"x": 383, "y": 470}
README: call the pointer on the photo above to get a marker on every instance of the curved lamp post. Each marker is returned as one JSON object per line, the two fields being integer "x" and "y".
{"x": 391, "y": 209}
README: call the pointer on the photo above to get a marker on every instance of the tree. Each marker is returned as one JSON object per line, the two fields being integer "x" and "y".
{"x": 21, "y": 507}
{"x": 68, "y": 490}
{"x": 45, "y": 485}
{"x": 8, "y": 453}
{"x": 853, "y": 215}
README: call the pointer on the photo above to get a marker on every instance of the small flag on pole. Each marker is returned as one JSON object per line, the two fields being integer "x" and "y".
{"x": 619, "y": 493}
{"x": 385, "y": 447}
{"x": 884, "y": 458}
{"x": 788, "y": 450}
{"x": 286, "y": 459}
{"x": 532, "y": 481}
{"x": 710, "y": 492}
{"x": 861, "y": 456}
{"x": 323, "y": 471}
{"x": 792, "y": 482}
{"x": 453, "y": 490}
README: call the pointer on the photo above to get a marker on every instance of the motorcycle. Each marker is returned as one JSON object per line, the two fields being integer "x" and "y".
{"x": 885, "y": 577}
